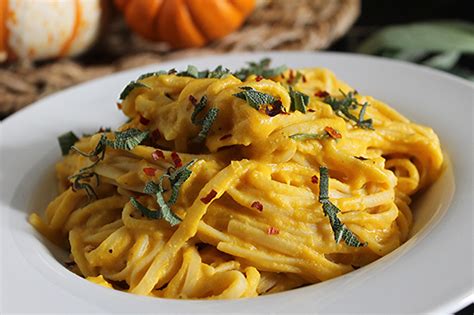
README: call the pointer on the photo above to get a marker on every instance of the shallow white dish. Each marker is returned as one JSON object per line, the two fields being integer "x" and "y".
{"x": 432, "y": 272}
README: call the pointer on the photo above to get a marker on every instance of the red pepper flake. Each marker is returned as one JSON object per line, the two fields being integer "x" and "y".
{"x": 272, "y": 230}
{"x": 227, "y": 136}
{"x": 311, "y": 110}
{"x": 321, "y": 94}
{"x": 119, "y": 105}
{"x": 176, "y": 159}
{"x": 150, "y": 171}
{"x": 274, "y": 109}
{"x": 333, "y": 132}
{"x": 258, "y": 78}
{"x": 209, "y": 197}
{"x": 314, "y": 179}
{"x": 193, "y": 100}
{"x": 282, "y": 76}
{"x": 158, "y": 154}
{"x": 291, "y": 77}
{"x": 257, "y": 205}
{"x": 304, "y": 78}
{"x": 144, "y": 121}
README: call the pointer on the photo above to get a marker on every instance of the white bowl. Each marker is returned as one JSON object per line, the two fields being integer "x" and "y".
{"x": 432, "y": 272}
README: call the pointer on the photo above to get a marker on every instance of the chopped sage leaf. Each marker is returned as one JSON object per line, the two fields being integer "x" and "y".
{"x": 176, "y": 178}
{"x": 128, "y": 139}
{"x": 197, "y": 109}
{"x": 125, "y": 140}
{"x": 299, "y": 101}
{"x": 193, "y": 72}
{"x": 130, "y": 87}
{"x": 330, "y": 210}
{"x": 66, "y": 142}
{"x": 255, "y": 98}
{"x": 261, "y": 68}
{"x": 152, "y": 74}
{"x": 81, "y": 180}
{"x": 348, "y": 102}
{"x": 207, "y": 124}
{"x": 218, "y": 73}
{"x": 309, "y": 136}
{"x": 145, "y": 211}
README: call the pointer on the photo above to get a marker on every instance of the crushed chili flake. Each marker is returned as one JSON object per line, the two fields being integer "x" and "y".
{"x": 333, "y": 132}
{"x": 227, "y": 136}
{"x": 144, "y": 121}
{"x": 258, "y": 78}
{"x": 292, "y": 74}
{"x": 314, "y": 179}
{"x": 321, "y": 94}
{"x": 193, "y": 100}
{"x": 274, "y": 109}
{"x": 311, "y": 110}
{"x": 304, "y": 78}
{"x": 257, "y": 205}
{"x": 282, "y": 76}
{"x": 172, "y": 71}
{"x": 157, "y": 154}
{"x": 176, "y": 159}
{"x": 111, "y": 251}
{"x": 291, "y": 77}
{"x": 209, "y": 197}
{"x": 150, "y": 171}
{"x": 119, "y": 105}
{"x": 272, "y": 230}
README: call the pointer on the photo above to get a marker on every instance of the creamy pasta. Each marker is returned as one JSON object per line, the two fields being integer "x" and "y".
{"x": 226, "y": 185}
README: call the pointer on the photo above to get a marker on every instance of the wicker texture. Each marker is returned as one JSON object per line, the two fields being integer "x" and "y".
{"x": 274, "y": 25}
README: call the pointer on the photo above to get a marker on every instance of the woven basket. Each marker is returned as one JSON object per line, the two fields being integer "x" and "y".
{"x": 274, "y": 25}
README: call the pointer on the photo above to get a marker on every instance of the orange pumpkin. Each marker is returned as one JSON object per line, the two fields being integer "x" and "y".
{"x": 32, "y": 29}
{"x": 185, "y": 23}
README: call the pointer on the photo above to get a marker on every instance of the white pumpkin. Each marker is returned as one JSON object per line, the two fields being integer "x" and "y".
{"x": 41, "y": 29}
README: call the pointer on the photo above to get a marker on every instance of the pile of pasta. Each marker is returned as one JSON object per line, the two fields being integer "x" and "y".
{"x": 248, "y": 216}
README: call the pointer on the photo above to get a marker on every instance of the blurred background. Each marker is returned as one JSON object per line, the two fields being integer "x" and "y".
{"x": 49, "y": 45}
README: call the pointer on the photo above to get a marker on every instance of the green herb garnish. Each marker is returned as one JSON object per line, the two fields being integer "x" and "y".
{"x": 261, "y": 68}
{"x": 130, "y": 87}
{"x": 309, "y": 136}
{"x": 124, "y": 140}
{"x": 152, "y": 74}
{"x": 207, "y": 124}
{"x": 342, "y": 107}
{"x": 66, "y": 142}
{"x": 176, "y": 179}
{"x": 128, "y": 139}
{"x": 255, "y": 98}
{"x": 197, "y": 109}
{"x": 299, "y": 101}
{"x": 193, "y": 72}
{"x": 218, "y": 73}
{"x": 79, "y": 183}
{"x": 330, "y": 210}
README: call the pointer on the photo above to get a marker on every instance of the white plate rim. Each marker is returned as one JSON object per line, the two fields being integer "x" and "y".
{"x": 448, "y": 305}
